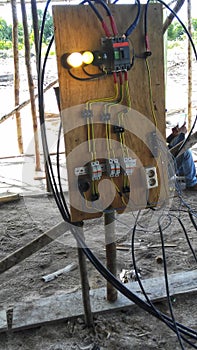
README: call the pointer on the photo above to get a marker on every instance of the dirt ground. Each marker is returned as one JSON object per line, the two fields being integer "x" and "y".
{"x": 23, "y": 220}
{"x": 131, "y": 329}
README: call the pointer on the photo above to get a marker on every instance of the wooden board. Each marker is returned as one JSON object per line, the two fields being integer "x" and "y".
{"x": 77, "y": 29}
{"x": 60, "y": 307}
{"x": 8, "y": 197}
{"x": 33, "y": 246}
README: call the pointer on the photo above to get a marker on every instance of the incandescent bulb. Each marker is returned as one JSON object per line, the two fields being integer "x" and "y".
{"x": 87, "y": 57}
{"x": 75, "y": 59}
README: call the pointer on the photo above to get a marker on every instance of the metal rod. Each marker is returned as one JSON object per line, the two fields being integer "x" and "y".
{"x": 85, "y": 285}
{"x": 109, "y": 221}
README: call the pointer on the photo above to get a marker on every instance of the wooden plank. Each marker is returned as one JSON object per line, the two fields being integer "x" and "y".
{"x": 8, "y": 197}
{"x": 191, "y": 142}
{"x": 3, "y": 321}
{"x": 139, "y": 122}
{"x": 65, "y": 306}
{"x": 33, "y": 246}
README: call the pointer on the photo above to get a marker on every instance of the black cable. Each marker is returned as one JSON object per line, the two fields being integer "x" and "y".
{"x": 184, "y": 330}
{"x": 131, "y": 28}
{"x": 97, "y": 13}
{"x": 108, "y": 11}
{"x": 76, "y": 233}
{"x": 41, "y": 72}
{"x": 90, "y": 74}
{"x": 58, "y": 170}
{"x": 167, "y": 286}
{"x": 192, "y": 220}
{"x": 119, "y": 286}
{"x": 186, "y": 236}
{"x": 136, "y": 20}
{"x": 175, "y": 15}
{"x": 187, "y": 138}
{"x": 92, "y": 77}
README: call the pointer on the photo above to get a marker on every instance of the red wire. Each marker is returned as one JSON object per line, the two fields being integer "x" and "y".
{"x": 113, "y": 25}
{"x": 115, "y": 77}
{"x": 107, "y": 32}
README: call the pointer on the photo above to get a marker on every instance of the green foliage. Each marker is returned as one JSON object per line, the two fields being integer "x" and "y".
{"x": 5, "y": 30}
{"x": 48, "y": 27}
{"x": 20, "y": 34}
{"x": 194, "y": 24}
{"x": 5, "y": 45}
{"x": 176, "y": 31}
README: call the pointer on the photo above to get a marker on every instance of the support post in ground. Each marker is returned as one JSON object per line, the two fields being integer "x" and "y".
{"x": 85, "y": 284}
{"x": 109, "y": 222}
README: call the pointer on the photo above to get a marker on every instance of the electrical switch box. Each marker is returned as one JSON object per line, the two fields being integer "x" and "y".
{"x": 108, "y": 123}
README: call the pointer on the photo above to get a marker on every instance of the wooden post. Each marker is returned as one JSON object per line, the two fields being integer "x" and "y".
{"x": 189, "y": 67}
{"x": 30, "y": 84}
{"x": 34, "y": 12}
{"x": 85, "y": 285}
{"x": 109, "y": 222}
{"x": 35, "y": 26}
{"x": 16, "y": 74}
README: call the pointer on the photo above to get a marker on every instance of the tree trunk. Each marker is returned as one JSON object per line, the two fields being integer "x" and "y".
{"x": 30, "y": 84}
{"x": 16, "y": 74}
{"x": 171, "y": 16}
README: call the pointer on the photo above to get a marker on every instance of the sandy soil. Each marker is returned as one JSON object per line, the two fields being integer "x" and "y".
{"x": 131, "y": 329}
{"x": 128, "y": 329}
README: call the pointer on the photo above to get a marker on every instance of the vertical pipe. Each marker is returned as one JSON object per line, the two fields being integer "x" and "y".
{"x": 109, "y": 222}
{"x": 85, "y": 285}
{"x": 189, "y": 66}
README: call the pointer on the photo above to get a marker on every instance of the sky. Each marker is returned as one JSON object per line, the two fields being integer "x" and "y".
{"x": 6, "y": 13}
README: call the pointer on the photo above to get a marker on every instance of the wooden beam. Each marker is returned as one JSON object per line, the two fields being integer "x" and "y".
{"x": 61, "y": 307}
{"x": 25, "y": 103}
{"x": 33, "y": 246}
{"x": 191, "y": 142}
{"x": 169, "y": 19}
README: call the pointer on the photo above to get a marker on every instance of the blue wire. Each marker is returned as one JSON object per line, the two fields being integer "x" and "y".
{"x": 136, "y": 20}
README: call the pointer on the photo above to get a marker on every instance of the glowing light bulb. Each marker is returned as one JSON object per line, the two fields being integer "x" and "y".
{"x": 87, "y": 57}
{"x": 75, "y": 59}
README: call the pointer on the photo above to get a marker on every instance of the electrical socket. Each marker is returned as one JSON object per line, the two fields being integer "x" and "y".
{"x": 151, "y": 177}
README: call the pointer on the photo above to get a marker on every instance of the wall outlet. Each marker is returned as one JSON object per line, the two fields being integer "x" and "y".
{"x": 151, "y": 177}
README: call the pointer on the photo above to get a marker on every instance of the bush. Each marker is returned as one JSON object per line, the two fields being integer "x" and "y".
{"x": 5, "y": 45}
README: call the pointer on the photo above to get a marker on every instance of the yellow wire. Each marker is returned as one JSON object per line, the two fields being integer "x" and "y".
{"x": 128, "y": 97}
{"x": 151, "y": 93}
{"x": 108, "y": 107}
{"x": 118, "y": 191}
{"x": 91, "y": 143}
{"x": 104, "y": 99}
{"x": 107, "y": 140}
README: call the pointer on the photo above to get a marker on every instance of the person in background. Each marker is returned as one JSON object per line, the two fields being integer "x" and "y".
{"x": 184, "y": 163}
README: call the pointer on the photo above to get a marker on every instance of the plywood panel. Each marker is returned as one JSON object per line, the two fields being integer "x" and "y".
{"x": 77, "y": 29}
